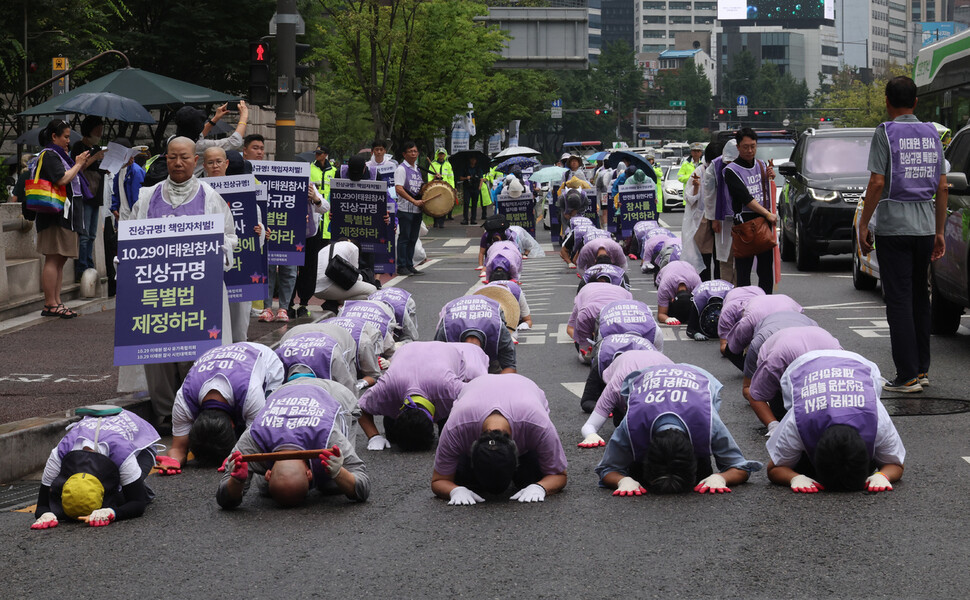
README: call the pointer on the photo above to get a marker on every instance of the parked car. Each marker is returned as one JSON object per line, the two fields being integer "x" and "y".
{"x": 673, "y": 189}
{"x": 824, "y": 182}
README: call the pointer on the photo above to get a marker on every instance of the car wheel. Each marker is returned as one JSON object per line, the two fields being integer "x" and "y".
{"x": 944, "y": 315}
{"x": 860, "y": 279}
{"x": 805, "y": 259}
{"x": 787, "y": 249}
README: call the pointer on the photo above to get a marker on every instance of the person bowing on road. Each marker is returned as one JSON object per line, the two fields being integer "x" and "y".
{"x": 669, "y": 434}
{"x": 837, "y": 435}
{"x": 479, "y": 320}
{"x": 499, "y": 434}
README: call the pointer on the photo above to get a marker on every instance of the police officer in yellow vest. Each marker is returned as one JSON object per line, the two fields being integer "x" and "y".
{"x": 321, "y": 172}
{"x": 440, "y": 168}
{"x": 688, "y": 166}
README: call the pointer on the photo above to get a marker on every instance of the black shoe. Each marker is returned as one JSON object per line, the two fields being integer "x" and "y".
{"x": 302, "y": 312}
{"x": 414, "y": 271}
{"x": 474, "y": 222}
{"x": 588, "y": 406}
{"x": 465, "y": 222}
{"x": 291, "y": 312}
{"x": 907, "y": 386}
{"x": 402, "y": 272}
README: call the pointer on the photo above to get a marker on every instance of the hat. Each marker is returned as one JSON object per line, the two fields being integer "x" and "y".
{"x": 710, "y": 316}
{"x": 506, "y": 300}
{"x": 649, "y": 154}
{"x": 515, "y": 188}
{"x": 321, "y": 149}
{"x": 697, "y": 146}
{"x": 730, "y": 152}
{"x": 631, "y": 170}
{"x": 565, "y": 156}
{"x": 81, "y": 495}
{"x": 639, "y": 176}
{"x": 574, "y": 200}
{"x": 189, "y": 122}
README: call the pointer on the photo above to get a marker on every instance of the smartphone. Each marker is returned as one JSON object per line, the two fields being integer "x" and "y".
{"x": 95, "y": 150}
{"x": 233, "y": 106}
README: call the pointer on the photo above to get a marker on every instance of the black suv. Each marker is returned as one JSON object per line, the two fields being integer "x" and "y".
{"x": 824, "y": 181}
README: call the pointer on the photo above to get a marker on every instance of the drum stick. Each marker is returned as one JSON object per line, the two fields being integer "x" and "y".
{"x": 286, "y": 455}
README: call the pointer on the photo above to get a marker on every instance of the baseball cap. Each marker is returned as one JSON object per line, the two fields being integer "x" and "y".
{"x": 697, "y": 146}
{"x": 82, "y": 494}
{"x": 321, "y": 149}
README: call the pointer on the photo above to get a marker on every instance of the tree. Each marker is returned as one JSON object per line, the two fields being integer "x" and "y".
{"x": 690, "y": 84}
{"x": 616, "y": 80}
{"x": 739, "y": 77}
{"x": 865, "y": 103}
{"x": 345, "y": 125}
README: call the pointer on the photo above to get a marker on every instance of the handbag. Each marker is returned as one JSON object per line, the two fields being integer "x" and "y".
{"x": 340, "y": 271}
{"x": 42, "y": 196}
{"x": 755, "y": 236}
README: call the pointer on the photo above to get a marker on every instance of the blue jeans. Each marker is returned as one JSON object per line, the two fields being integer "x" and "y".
{"x": 409, "y": 225}
{"x": 85, "y": 258}
{"x": 287, "y": 282}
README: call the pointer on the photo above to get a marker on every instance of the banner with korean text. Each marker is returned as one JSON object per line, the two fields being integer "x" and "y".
{"x": 637, "y": 203}
{"x": 246, "y": 280}
{"x": 169, "y": 303}
{"x": 357, "y": 210}
{"x": 288, "y": 187}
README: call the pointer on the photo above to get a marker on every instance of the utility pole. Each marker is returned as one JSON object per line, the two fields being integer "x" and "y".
{"x": 286, "y": 20}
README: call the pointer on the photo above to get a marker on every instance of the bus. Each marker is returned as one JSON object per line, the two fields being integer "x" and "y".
{"x": 942, "y": 76}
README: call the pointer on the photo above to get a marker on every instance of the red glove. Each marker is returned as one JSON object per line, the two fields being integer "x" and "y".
{"x": 101, "y": 517}
{"x": 240, "y": 469}
{"x": 332, "y": 461}
{"x": 632, "y": 256}
{"x": 629, "y": 486}
{"x": 672, "y": 321}
{"x": 167, "y": 465}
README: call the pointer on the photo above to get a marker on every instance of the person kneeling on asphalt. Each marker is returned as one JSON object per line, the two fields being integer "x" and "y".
{"x": 314, "y": 354}
{"x": 503, "y": 255}
{"x": 587, "y": 305}
{"x": 377, "y": 312}
{"x": 630, "y": 316}
{"x": 499, "y": 434}
{"x": 607, "y": 273}
{"x": 669, "y": 434}
{"x": 418, "y": 391}
{"x": 500, "y": 279}
{"x": 604, "y": 352}
{"x": 610, "y": 402}
{"x": 305, "y": 414}
{"x": 405, "y": 312}
{"x": 363, "y": 340}
{"x": 221, "y": 395}
{"x": 676, "y": 282}
{"x": 701, "y": 325}
{"x": 764, "y": 391}
{"x": 97, "y": 472}
{"x": 732, "y": 309}
{"x": 755, "y": 311}
{"x": 837, "y": 435}
{"x": 480, "y": 321}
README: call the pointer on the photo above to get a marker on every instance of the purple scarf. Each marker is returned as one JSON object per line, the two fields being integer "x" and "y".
{"x": 79, "y": 185}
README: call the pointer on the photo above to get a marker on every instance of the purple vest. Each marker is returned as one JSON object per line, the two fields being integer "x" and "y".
{"x": 413, "y": 181}
{"x": 916, "y": 151}
{"x": 125, "y": 434}
{"x": 680, "y": 390}
{"x": 369, "y": 310}
{"x": 312, "y": 350}
{"x": 511, "y": 286}
{"x": 612, "y": 346}
{"x": 297, "y": 417}
{"x": 652, "y": 245}
{"x": 235, "y": 362}
{"x": 722, "y": 206}
{"x": 715, "y": 288}
{"x": 587, "y": 236}
{"x": 353, "y": 325}
{"x": 473, "y": 313}
{"x": 627, "y": 316}
{"x": 396, "y": 298}
{"x": 752, "y": 180}
{"x": 641, "y": 227}
{"x": 833, "y": 390}
{"x": 157, "y": 207}
{"x": 614, "y": 272}
{"x": 579, "y": 221}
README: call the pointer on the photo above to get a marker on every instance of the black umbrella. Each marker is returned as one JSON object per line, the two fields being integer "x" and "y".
{"x": 459, "y": 161}
{"x": 308, "y": 156}
{"x": 32, "y": 137}
{"x": 631, "y": 158}
{"x": 108, "y": 105}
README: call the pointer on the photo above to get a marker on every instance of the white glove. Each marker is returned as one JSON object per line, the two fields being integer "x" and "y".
{"x": 462, "y": 496}
{"x": 805, "y": 485}
{"x": 877, "y": 482}
{"x": 101, "y": 517}
{"x": 629, "y": 486}
{"x": 334, "y": 461}
{"x": 227, "y": 260}
{"x": 361, "y": 384}
{"x": 45, "y": 521}
{"x": 378, "y": 442}
{"x": 116, "y": 261}
{"x": 523, "y": 326}
{"x": 713, "y": 484}
{"x": 530, "y": 493}
{"x": 592, "y": 440}
{"x": 383, "y": 363}
{"x": 771, "y": 428}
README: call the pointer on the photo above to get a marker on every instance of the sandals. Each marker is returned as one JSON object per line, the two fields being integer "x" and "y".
{"x": 59, "y": 310}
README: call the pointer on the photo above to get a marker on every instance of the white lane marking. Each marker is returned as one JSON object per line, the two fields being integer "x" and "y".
{"x": 472, "y": 250}
{"x": 532, "y": 339}
{"x": 843, "y": 306}
{"x": 966, "y": 458}
{"x": 458, "y": 242}
{"x": 577, "y": 387}
{"x": 881, "y": 324}
{"x": 561, "y": 336}
{"x": 427, "y": 264}
{"x": 440, "y": 282}
{"x": 539, "y": 327}
{"x": 663, "y": 223}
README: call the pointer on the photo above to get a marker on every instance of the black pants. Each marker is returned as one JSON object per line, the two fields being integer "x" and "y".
{"x": 693, "y": 321}
{"x": 528, "y": 472}
{"x": 591, "y": 393}
{"x": 306, "y": 276}
{"x": 110, "y": 252}
{"x": 736, "y": 359}
{"x": 766, "y": 267}
{"x": 903, "y": 263}
{"x": 469, "y": 200}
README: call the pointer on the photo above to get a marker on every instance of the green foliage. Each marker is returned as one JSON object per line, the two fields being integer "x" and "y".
{"x": 690, "y": 84}
{"x": 867, "y": 103}
{"x": 345, "y": 124}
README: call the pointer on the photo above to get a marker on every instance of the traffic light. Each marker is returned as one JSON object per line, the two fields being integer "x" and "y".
{"x": 721, "y": 112}
{"x": 302, "y": 70}
{"x": 825, "y": 119}
{"x": 259, "y": 73}
{"x": 601, "y": 111}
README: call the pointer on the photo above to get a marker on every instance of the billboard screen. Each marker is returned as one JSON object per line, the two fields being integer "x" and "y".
{"x": 766, "y": 12}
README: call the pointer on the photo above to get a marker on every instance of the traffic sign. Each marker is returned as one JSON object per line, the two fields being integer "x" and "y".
{"x": 678, "y": 103}
{"x": 557, "y": 102}
{"x": 556, "y": 110}
{"x": 742, "y": 109}
{"x": 742, "y": 100}
{"x": 644, "y": 135}
{"x": 59, "y": 64}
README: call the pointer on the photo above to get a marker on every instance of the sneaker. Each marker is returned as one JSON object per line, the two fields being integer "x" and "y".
{"x": 266, "y": 316}
{"x": 700, "y": 337}
{"x": 924, "y": 379}
{"x": 414, "y": 271}
{"x": 908, "y": 386}
{"x": 302, "y": 312}
{"x": 281, "y": 316}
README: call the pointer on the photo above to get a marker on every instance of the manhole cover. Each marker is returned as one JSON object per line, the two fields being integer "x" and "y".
{"x": 18, "y": 495}
{"x": 908, "y": 406}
